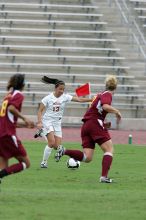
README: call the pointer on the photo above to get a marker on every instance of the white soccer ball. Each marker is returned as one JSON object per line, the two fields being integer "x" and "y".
{"x": 72, "y": 163}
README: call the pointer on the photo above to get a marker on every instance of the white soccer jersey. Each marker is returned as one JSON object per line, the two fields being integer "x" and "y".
{"x": 55, "y": 106}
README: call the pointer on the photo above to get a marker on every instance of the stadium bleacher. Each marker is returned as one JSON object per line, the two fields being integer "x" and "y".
{"x": 140, "y": 9}
{"x": 67, "y": 41}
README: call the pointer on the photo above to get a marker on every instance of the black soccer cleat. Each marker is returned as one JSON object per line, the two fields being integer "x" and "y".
{"x": 39, "y": 133}
{"x": 59, "y": 153}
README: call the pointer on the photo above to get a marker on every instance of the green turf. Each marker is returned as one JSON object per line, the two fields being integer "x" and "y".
{"x": 58, "y": 193}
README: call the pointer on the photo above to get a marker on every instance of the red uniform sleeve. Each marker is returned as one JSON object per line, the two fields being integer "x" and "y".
{"x": 16, "y": 100}
{"x": 106, "y": 98}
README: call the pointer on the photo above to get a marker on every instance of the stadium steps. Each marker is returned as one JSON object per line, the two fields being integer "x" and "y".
{"x": 121, "y": 37}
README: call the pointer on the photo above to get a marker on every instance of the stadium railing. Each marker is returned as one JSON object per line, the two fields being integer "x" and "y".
{"x": 63, "y": 57}
{"x": 49, "y": 13}
{"x": 142, "y": 16}
{"x": 47, "y": 6}
{"x": 36, "y": 39}
{"x": 50, "y": 31}
{"x": 68, "y": 66}
{"x": 79, "y": 109}
{"x": 141, "y": 10}
{"x": 137, "y": 1}
{"x": 53, "y": 22}
{"x": 144, "y": 20}
{"x": 59, "y": 49}
{"x": 36, "y": 85}
{"x": 65, "y": 76}
{"x": 37, "y": 95}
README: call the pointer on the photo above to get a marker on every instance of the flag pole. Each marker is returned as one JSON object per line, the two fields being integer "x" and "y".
{"x": 89, "y": 90}
{"x": 89, "y": 94}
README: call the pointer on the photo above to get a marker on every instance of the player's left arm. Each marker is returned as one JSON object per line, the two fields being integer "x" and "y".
{"x": 111, "y": 109}
{"x": 21, "y": 125}
{"x": 80, "y": 99}
{"x": 18, "y": 114}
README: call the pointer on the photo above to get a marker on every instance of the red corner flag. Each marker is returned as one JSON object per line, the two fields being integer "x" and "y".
{"x": 83, "y": 90}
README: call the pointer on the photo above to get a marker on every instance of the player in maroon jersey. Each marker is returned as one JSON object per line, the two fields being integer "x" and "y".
{"x": 94, "y": 130}
{"x": 10, "y": 111}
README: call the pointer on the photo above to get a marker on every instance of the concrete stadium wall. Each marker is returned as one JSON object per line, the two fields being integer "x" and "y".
{"x": 126, "y": 123}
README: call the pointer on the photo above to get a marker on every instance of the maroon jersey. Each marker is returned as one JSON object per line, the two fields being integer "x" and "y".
{"x": 96, "y": 111}
{"x": 7, "y": 119}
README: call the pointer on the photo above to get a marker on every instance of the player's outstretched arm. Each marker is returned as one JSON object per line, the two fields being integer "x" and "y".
{"x": 80, "y": 99}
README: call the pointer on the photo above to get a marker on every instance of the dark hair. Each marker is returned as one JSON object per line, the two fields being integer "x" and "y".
{"x": 16, "y": 82}
{"x": 56, "y": 82}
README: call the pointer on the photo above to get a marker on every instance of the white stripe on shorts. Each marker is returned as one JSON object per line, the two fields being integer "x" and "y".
{"x": 14, "y": 140}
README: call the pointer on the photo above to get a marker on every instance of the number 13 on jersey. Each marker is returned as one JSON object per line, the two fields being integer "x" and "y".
{"x": 56, "y": 109}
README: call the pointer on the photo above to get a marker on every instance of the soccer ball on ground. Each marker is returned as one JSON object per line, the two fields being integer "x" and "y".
{"x": 72, "y": 163}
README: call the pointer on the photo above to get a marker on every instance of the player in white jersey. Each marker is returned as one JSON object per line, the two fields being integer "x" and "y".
{"x": 50, "y": 121}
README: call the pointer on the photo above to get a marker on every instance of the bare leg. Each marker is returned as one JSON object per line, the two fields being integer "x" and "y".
{"x": 3, "y": 163}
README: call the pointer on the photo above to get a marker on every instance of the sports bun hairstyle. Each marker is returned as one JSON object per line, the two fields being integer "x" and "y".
{"x": 111, "y": 82}
{"x": 56, "y": 82}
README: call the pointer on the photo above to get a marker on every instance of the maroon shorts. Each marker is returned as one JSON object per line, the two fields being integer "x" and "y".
{"x": 11, "y": 146}
{"x": 92, "y": 132}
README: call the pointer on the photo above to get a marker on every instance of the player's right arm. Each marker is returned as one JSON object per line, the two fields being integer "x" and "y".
{"x": 39, "y": 115}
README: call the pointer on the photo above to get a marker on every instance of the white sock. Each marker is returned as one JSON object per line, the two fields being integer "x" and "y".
{"x": 24, "y": 165}
{"x": 47, "y": 153}
{"x": 84, "y": 158}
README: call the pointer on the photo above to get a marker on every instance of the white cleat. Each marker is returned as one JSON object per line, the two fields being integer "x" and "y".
{"x": 44, "y": 164}
{"x": 104, "y": 179}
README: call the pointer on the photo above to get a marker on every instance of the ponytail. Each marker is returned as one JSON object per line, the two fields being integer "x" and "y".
{"x": 56, "y": 82}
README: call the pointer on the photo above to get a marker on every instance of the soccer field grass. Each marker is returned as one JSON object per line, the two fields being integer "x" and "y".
{"x": 58, "y": 193}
